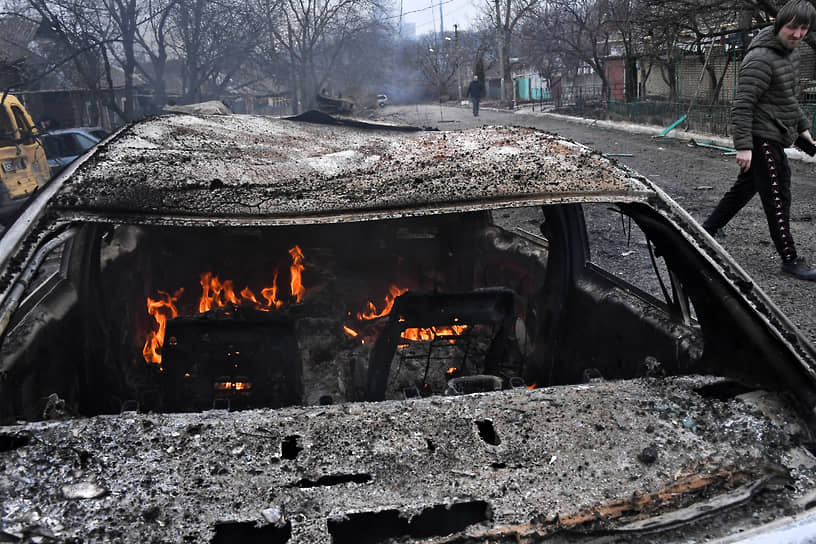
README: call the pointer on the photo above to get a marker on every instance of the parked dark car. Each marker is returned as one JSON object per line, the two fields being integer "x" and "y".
{"x": 97, "y": 132}
{"x": 241, "y": 328}
{"x": 63, "y": 146}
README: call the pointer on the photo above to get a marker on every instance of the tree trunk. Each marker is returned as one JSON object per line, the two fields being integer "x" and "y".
{"x": 129, "y": 68}
{"x": 630, "y": 79}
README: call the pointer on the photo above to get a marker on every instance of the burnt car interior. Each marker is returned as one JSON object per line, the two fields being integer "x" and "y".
{"x": 239, "y": 328}
{"x": 190, "y": 319}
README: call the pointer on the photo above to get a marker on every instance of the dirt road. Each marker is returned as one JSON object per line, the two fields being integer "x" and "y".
{"x": 696, "y": 177}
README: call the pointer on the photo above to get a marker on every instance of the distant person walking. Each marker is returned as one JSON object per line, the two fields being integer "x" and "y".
{"x": 767, "y": 118}
{"x": 475, "y": 91}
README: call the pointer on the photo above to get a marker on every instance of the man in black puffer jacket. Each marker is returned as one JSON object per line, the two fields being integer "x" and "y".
{"x": 766, "y": 119}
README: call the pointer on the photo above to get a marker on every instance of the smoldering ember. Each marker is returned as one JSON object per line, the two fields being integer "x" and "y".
{"x": 232, "y": 328}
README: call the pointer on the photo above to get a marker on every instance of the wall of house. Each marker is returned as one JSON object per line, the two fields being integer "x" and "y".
{"x": 653, "y": 85}
{"x": 695, "y": 83}
{"x": 693, "y": 80}
{"x": 493, "y": 88}
{"x": 587, "y": 78}
{"x": 616, "y": 76}
{"x": 531, "y": 86}
{"x": 66, "y": 109}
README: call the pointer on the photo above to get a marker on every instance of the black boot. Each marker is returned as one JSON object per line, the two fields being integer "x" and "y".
{"x": 800, "y": 269}
{"x": 715, "y": 233}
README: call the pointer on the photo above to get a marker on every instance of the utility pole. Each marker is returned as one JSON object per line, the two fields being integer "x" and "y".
{"x": 441, "y": 22}
{"x": 458, "y": 64}
{"x": 500, "y": 44}
{"x": 501, "y": 63}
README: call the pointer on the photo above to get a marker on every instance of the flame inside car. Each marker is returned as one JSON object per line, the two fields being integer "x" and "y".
{"x": 162, "y": 309}
{"x": 217, "y": 294}
{"x": 429, "y": 334}
{"x": 372, "y": 313}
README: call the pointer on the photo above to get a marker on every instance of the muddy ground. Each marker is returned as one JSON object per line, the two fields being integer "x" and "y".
{"x": 696, "y": 177}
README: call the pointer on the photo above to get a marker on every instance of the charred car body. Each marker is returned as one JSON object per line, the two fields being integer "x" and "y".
{"x": 431, "y": 328}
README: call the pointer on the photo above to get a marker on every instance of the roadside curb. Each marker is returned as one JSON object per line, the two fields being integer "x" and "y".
{"x": 655, "y": 131}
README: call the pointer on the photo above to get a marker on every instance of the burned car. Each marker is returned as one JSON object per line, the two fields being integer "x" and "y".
{"x": 223, "y": 328}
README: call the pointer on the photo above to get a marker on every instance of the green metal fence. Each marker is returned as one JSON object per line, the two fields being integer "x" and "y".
{"x": 706, "y": 118}
{"x": 711, "y": 119}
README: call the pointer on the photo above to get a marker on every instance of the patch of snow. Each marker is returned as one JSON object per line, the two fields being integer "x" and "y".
{"x": 342, "y": 161}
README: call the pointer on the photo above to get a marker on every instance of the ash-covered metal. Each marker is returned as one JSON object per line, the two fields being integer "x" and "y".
{"x": 503, "y": 463}
{"x": 225, "y": 166}
{"x": 634, "y": 456}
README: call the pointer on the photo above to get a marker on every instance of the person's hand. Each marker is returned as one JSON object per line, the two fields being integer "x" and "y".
{"x": 744, "y": 159}
{"x": 806, "y": 135}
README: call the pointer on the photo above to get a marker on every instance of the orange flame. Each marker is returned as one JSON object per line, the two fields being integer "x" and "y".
{"x": 161, "y": 309}
{"x": 451, "y": 370}
{"x": 372, "y": 313}
{"x": 218, "y": 294}
{"x": 428, "y": 334}
{"x": 214, "y": 293}
{"x": 270, "y": 294}
{"x": 351, "y": 332}
{"x": 232, "y": 386}
{"x": 247, "y": 294}
{"x": 296, "y": 273}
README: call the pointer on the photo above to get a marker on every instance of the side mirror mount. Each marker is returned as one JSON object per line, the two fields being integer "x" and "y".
{"x": 27, "y": 137}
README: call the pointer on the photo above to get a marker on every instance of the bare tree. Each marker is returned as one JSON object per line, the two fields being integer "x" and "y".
{"x": 672, "y": 30}
{"x": 434, "y": 66}
{"x": 542, "y": 50}
{"x": 121, "y": 16}
{"x": 222, "y": 45}
{"x": 214, "y": 41}
{"x": 84, "y": 34}
{"x": 105, "y": 29}
{"x": 438, "y": 62}
{"x": 505, "y": 19}
{"x": 153, "y": 37}
{"x": 662, "y": 44}
{"x": 365, "y": 66}
{"x": 581, "y": 30}
{"x": 624, "y": 16}
{"x": 474, "y": 50}
{"x": 654, "y": 33}
{"x": 314, "y": 35}
{"x": 16, "y": 31}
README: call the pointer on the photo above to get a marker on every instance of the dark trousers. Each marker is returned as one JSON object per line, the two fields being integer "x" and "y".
{"x": 475, "y": 106}
{"x": 770, "y": 176}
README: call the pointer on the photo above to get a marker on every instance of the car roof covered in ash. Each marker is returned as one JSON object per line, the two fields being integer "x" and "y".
{"x": 280, "y": 171}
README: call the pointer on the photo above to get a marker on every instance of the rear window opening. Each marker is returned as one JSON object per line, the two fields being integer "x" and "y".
{"x": 191, "y": 319}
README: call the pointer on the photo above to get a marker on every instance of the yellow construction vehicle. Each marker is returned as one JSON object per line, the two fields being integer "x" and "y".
{"x": 23, "y": 165}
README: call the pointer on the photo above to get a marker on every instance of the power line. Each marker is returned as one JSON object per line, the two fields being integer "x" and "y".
{"x": 403, "y": 13}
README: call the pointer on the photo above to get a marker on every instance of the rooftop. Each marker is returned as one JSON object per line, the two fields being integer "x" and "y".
{"x": 279, "y": 171}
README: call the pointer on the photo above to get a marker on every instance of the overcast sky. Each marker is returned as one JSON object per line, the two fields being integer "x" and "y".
{"x": 425, "y": 13}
